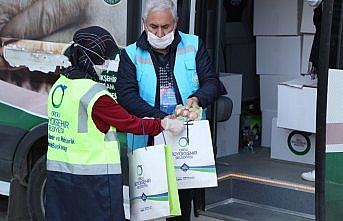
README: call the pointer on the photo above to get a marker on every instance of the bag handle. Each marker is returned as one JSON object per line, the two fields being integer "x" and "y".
{"x": 187, "y": 130}
{"x": 133, "y": 138}
{"x": 164, "y": 138}
{"x": 145, "y": 141}
{"x": 133, "y": 143}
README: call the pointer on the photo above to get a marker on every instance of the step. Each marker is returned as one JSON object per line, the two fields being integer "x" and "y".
{"x": 246, "y": 197}
{"x": 245, "y": 211}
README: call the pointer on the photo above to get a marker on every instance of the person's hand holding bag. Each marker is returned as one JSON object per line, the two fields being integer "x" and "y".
{"x": 173, "y": 125}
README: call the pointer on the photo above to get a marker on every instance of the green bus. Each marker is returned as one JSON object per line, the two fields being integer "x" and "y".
{"x": 252, "y": 185}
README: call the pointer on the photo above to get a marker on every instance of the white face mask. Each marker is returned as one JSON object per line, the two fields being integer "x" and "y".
{"x": 313, "y": 3}
{"x": 160, "y": 43}
{"x": 99, "y": 69}
{"x": 109, "y": 65}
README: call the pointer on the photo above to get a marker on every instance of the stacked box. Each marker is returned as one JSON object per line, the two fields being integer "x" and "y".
{"x": 297, "y": 105}
{"x": 276, "y": 17}
{"x": 292, "y": 145}
{"x": 284, "y": 35}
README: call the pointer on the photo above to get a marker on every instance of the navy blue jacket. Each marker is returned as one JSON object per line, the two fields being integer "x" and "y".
{"x": 127, "y": 86}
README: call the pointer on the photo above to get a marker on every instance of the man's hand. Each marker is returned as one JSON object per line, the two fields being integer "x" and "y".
{"x": 173, "y": 125}
{"x": 192, "y": 102}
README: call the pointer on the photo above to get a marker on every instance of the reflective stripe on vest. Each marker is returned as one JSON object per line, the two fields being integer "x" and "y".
{"x": 79, "y": 169}
{"x": 76, "y": 146}
{"x": 185, "y": 50}
{"x": 83, "y": 106}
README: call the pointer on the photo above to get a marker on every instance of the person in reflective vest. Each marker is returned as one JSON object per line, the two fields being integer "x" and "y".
{"x": 164, "y": 68}
{"x": 84, "y": 180}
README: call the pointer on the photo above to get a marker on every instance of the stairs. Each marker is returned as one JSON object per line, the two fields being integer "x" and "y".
{"x": 248, "y": 198}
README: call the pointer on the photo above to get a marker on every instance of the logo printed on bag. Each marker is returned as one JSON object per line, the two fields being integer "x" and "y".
{"x": 141, "y": 181}
{"x": 183, "y": 141}
{"x": 185, "y": 154}
{"x": 184, "y": 167}
{"x": 139, "y": 170}
{"x": 144, "y": 197}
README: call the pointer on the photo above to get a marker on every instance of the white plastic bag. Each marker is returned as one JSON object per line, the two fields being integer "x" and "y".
{"x": 153, "y": 187}
{"x": 193, "y": 155}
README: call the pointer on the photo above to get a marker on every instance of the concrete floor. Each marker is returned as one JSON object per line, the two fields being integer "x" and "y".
{"x": 203, "y": 218}
{"x": 4, "y": 200}
{"x": 260, "y": 164}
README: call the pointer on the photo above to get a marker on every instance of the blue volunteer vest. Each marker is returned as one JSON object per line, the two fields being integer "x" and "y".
{"x": 184, "y": 71}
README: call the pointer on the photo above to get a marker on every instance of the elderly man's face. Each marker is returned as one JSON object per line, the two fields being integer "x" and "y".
{"x": 160, "y": 23}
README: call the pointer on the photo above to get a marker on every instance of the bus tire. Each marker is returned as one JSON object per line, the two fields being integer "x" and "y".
{"x": 36, "y": 190}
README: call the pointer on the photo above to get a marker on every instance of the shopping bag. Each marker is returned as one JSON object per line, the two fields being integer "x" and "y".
{"x": 153, "y": 187}
{"x": 174, "y": 202}
{"x": 193, "y": 155}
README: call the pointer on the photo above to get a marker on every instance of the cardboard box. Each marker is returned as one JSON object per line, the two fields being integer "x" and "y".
{"x": 276, "y": 17}
{"x": 297, "y": 104}
{"x": 306, "y": 51}
{"x": 267, "y": 117}
{"x": 292, "y": 145}
{"x": 233, "y": 85}
{"x": 228, "y": 136}
{"x": 268, "y": 90}
{"x": 278, "y": 55}
{"x": 307, "y": 25}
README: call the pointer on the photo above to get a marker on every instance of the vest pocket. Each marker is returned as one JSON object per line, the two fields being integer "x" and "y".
{"x": 190, "y": 64}
{"x": 192, "y": 73}
{"x": 139, "y": 74}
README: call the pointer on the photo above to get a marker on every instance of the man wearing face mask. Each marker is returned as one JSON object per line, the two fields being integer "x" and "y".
{"x": 166, "y": 67}
{"x": 84, "y": 180}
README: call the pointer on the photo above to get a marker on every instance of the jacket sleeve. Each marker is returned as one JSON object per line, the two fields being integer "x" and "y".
{"x": 107, "y": 112}
{"x": 210, "y": 86}
{"x": 128, "y": 92}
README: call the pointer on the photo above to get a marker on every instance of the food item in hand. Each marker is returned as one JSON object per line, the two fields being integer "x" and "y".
{"x": 193, "y": 116}
{"x": 178, "y": 110}
{"x": 184, "y": 113}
